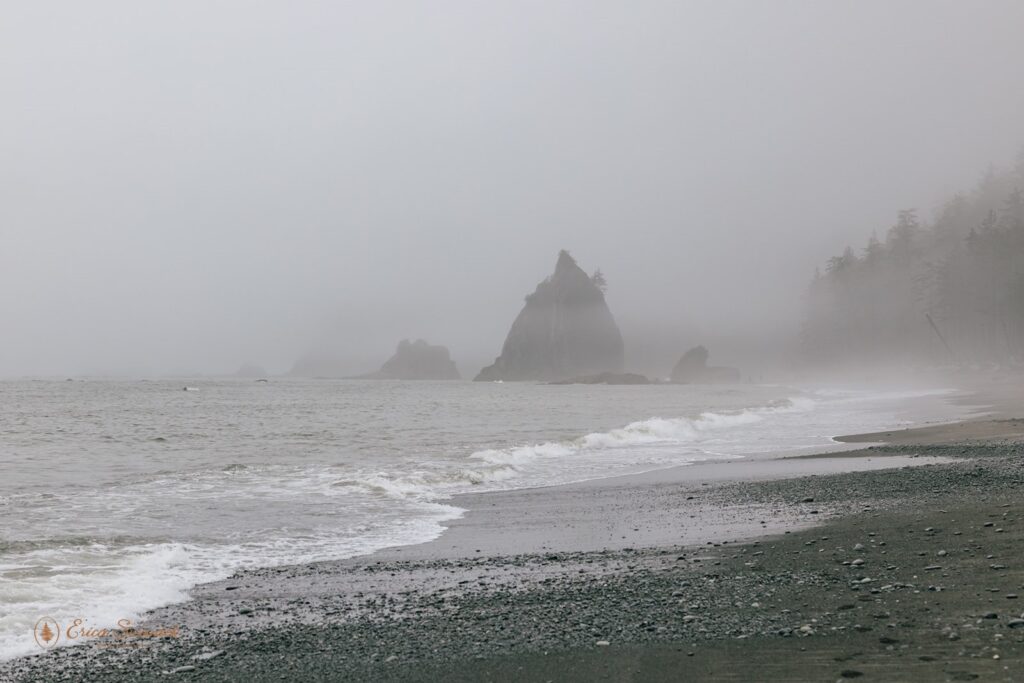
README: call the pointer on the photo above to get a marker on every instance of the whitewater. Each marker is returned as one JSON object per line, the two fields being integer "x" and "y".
{"x": 120, "y": 496}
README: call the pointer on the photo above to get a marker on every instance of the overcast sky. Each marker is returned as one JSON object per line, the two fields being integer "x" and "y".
{"x": 188, "y": 185}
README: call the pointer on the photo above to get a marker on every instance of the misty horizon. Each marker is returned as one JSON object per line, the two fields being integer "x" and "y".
{"x": 189, "y": 189}
{"x": 670, "y": 340}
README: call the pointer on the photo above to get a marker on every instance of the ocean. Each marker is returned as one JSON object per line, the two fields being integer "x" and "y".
{"x": 119, "y": 496}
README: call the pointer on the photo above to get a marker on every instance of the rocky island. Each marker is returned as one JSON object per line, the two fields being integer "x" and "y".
{"x": 417, "y": 360}
{"x": 693, "y": 368}
{"x": 564, "y": 330}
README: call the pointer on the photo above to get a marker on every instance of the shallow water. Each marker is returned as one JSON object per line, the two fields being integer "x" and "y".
{"x": 118, "y": 496}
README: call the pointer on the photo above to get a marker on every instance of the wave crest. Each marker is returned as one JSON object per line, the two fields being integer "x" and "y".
{"x": 498, "y": 465}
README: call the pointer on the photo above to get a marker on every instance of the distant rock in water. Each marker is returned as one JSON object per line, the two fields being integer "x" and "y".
{"x": 251, "y": 370}
{"x": 607, "y": 378}
{"x": 564, "y": 330}
{"x": 417, "y": 360}
{"x": 693, "y": 368}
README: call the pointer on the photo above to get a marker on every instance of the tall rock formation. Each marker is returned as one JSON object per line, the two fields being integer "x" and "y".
{"x": 417, "y": 360}
{"x": 564, "y": 330}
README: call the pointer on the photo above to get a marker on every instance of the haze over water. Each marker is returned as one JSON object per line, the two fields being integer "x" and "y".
{"x": 197, "y": 189}
{"x": 189, "y": 186}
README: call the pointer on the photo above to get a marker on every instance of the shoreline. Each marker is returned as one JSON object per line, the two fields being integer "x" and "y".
{"x": 476, "y": 558}
{"x": 630, "y": 510}
{"x": 845, "y": 453}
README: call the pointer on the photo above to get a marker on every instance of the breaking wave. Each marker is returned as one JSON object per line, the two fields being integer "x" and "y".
{"x": 656, "y": 442}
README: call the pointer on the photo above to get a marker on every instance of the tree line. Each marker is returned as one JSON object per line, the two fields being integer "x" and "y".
{"x": 949, "y": 291}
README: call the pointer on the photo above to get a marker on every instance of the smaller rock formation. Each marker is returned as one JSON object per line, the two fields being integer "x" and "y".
{"x": 417, "y": 360}
{"x": 693, "y": 368}
{"x": 607, "y": 378}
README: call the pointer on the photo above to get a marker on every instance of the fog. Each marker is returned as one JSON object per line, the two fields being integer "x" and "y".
{"x": 187, "y": 186}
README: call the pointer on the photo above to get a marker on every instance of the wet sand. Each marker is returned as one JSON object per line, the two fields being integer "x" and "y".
{"x": 791, "y": 570}
{"x": 669, "y": 507}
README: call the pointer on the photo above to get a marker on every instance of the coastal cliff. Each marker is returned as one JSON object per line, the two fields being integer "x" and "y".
{"x": 565, "y": 329}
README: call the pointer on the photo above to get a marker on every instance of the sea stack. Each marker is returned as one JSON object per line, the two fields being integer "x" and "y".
{"x": 564, "y": 330}
{"x": 693, "y": 368}
{"x": 417, "y": 360}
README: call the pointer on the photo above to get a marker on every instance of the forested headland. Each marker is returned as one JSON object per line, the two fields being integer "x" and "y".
{"x": 945, "y": 291}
